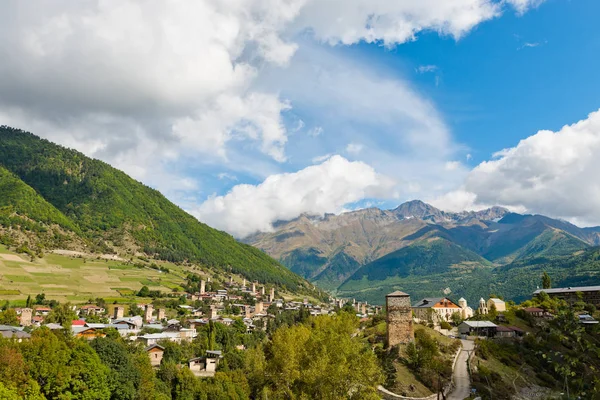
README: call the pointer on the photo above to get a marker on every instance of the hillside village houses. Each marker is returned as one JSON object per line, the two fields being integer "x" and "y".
{"x": 155, "y": 325}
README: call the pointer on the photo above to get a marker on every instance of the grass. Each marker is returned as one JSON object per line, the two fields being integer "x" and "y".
{"x": 73, "y": 279}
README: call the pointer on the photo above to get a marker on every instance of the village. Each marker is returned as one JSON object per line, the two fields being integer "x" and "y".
{"x": 157, "y": 326}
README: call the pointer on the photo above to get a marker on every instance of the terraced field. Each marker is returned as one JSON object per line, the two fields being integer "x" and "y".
{"x": 73, "y": 279}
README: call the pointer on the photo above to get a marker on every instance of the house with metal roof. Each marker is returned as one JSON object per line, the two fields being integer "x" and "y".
{"x": 478, "y": 328}
{"x": 435, "y": 309}
{"x": 589, "y": 294}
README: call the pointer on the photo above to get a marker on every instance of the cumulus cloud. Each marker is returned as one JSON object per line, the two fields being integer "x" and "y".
{"x": 145, "y": 85}
{"x": 550, "y": 173}
{"x": 316, "y": 190}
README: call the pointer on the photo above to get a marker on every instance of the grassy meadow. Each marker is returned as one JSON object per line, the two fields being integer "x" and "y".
{"x": 74, "y": 279}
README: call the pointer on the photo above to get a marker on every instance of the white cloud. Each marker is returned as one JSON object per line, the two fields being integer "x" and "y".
{"x": 453, "y": 165}
{"x": 316, "y": 189}
{"x": 523, "y": 5}
{"x": 550, "y": 173}
{"x": 314, "y": 132}
{"x": 426, "y": 68}
{"x": 354, "y": 148}
{"x": 145, "y": 85}
{"x": 227, "y": 176}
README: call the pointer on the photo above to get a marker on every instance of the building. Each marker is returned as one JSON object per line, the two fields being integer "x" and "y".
{"x": 148, "y": 310}
{"x": 534, "y": 311}
{"x": 482, "y": 309}
{"x": 466, "y": 312}
{"x": 26, "y": 316}
{"x": 478, "y": 328}
{"x": 155, "y": 353}
{"x": 161, "y": 314}
{"x": 435, "y": 309}
{"x": 499, "y": 304}
{"x": 119, "y": 312}
{"x": 399, "y": 318}
{"x": 91, "y": 309}
{"x": 205, "y": 366}
{"x": 589, "y": 294}
{"x": 13, "y": 332}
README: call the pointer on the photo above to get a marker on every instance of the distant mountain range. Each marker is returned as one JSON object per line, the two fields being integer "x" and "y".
{"x": 52, "y": 197}
{"x": 417, "y": 247}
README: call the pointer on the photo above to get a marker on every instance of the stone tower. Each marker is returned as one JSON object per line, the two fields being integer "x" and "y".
{"x": 148, "y": 312}
{"x": 399, "y": 319}
{"x": 118, "y": 312}
{"x": 272, "y": 295}
{"x": 258, "y": 308}
{"x": 26, "y": 315}
{"x": 202, "y": 287}
{"x": 161, "y": 314}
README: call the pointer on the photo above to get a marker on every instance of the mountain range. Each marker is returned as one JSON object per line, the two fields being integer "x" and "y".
{"x": 420, "y": 249}
{"x": 52, "y": 197}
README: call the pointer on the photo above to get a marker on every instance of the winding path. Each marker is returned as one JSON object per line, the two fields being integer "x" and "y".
{"x": 462, "y": 381}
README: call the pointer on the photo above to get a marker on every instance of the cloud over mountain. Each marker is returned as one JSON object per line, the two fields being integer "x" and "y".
{"x": 317, "y": 189}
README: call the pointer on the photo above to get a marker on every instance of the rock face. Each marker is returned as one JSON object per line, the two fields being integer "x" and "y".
{"x": 399, "y": 319}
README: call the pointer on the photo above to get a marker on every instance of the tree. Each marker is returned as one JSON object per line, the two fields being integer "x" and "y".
{"x": 456, "y": 318}
{"x": 65, "y": 371}
{"x": 546, "y": 281}
{"x": 144, "y": 292}
{"x": 9, "y": 317}
{"x": 123, "y": 379}
{"x": 321, "y": 359}
{"x": 40, "y": 298}
{"x": 29, "y": 302}
{"x": 62, "y": 314}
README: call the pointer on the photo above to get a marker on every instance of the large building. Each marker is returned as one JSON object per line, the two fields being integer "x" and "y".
{"x": 589, "y": 294}
{"x": 435, "y": 309}
{"x": 399, "y": 319}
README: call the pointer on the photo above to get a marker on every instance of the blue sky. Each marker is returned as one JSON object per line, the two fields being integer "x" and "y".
{"x": 246, "y": 113}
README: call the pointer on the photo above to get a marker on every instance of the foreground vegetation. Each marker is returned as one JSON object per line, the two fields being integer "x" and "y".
{"x": 295, "y": 357}
{"x": 560, "y": 355}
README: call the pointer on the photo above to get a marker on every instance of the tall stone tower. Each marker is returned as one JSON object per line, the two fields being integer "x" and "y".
{"x": 26, "y": 316}
{"x": 399, "y": 318}
{"x": 119, "y": 312}
{"x": 161, "y": 314}
{"x": 202, "y": 287}
{"x": 148, "y": 312}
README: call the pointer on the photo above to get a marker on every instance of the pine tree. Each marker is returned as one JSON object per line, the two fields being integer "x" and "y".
{"x": 546, "y": 281}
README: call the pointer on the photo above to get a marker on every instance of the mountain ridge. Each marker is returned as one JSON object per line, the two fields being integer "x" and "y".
{"x": 330, "y": 250}
{"x": 107, "y": 211}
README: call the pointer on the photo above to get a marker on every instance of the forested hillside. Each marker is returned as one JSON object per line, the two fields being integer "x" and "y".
{"x": 43, "y": 185}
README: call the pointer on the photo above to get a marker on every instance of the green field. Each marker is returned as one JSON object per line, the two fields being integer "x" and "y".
{"x": 75, "y": 279}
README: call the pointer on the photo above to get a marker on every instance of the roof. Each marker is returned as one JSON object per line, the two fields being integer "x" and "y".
{"x": 16, "y": 333}
{"x": 533, "y": 309}
{"x": 501, "y": 328}
{"x": 152, "y": 346}
{"x": 569, "y": 290}
{"x": 496, "y": 300}
{"x": 397, "y": 293}
{"x": 214, "y": 352}
{"x": 480, "y": 324}
{"x": 53, "y": 326}
{"x": 428, "y": 302}
{"x": 78, "y": 322}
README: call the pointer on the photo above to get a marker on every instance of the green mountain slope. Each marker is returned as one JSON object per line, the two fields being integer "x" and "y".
{"x": 427, "y": 257}
{"x": 109, "y": 208}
